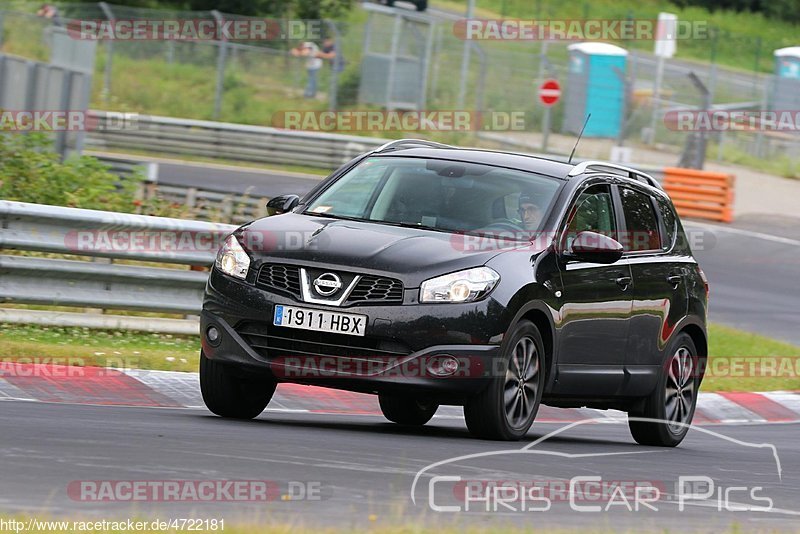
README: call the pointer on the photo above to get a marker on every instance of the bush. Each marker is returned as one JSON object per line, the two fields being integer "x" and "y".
{"x": 349, "y": 82}
{"x": 31, "y": 172}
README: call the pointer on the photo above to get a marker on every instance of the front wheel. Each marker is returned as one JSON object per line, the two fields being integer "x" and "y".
{"x": 672, "y": 403}
{"x": 228, "y": 394}
{"x": 505, "y": 410}
{"x": 406, "y": 410}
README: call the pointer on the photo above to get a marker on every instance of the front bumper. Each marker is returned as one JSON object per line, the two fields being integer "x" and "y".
{"x": 395, "y": 356}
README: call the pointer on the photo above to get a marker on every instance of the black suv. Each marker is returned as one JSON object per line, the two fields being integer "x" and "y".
{"x": 429, "y": 275}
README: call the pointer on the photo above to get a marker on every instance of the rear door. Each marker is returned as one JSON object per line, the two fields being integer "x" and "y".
{"x": 659, "y": 279}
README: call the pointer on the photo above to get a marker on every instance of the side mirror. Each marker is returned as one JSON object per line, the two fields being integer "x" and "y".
{"x": 596, "y": 248}
{"x": 282, "y": 204}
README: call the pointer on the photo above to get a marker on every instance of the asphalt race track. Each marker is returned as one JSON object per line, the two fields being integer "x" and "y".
{"x": 362, "y": 467}
{"x": 254, "y": 182}
{"x": 753, "y": 268}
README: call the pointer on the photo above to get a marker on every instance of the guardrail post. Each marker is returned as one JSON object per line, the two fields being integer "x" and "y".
{"x": 191, "y": 198}
{"x": 152, "y": 172}
{"x": 226, "y": 208}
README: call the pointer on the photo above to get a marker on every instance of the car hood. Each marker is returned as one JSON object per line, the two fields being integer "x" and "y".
{"x": 410, "y": 254}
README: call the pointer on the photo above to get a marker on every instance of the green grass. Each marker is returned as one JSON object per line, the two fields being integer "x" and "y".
{"x": 728, "y": 347}
{"x": 83, "y": 347}
{"x": 80, "y": 346}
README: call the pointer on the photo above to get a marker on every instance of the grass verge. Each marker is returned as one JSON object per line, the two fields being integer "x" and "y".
{"x": 739, "y": 361}
{"x": 84, "y": 347}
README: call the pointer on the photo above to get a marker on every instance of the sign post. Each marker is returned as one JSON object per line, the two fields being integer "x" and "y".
{"x": 549, "y": 94}
{"x": 666, "y": 33}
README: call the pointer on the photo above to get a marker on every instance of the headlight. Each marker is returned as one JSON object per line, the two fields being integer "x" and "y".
{"x": 463, "y": 286}
{"x": 232, "y": 259}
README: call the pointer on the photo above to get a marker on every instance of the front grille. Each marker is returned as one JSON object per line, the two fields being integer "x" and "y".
{"x": 281, "y": 277}
{"x": 377, "y": 289}
{"x": 272, "y": 341}
{"x": 369, "y": 289}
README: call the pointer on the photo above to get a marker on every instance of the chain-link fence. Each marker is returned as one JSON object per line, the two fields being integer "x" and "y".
{"x": 400, "y": 59}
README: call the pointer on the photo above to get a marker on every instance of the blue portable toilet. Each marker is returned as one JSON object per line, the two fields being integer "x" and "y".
{"x": 786, "y": 93}
{"x": 595, "y": 85}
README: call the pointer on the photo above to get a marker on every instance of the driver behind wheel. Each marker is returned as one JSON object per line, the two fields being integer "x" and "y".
{"x": 530, "y": 212}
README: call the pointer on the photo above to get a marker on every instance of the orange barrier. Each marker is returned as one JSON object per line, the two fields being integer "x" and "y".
{"x": 700, "y": 194}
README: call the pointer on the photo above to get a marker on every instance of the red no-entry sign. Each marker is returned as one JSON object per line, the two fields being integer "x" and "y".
{"x": 549, "y": 92}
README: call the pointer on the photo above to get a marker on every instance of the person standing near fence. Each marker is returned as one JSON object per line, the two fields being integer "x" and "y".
{"x": 330, "y": 52}
{"x": 313, "y": 65}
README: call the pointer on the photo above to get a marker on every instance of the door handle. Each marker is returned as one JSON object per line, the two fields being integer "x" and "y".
{"x": 623, "y": 281}
{"x": 674, "y": 280}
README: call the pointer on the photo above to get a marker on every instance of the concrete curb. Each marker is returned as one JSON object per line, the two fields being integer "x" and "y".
{"x": 169, "y": 389}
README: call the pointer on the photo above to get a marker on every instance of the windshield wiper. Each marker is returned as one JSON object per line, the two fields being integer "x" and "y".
{"x": 418, "y": 226}
{"x": 334, "y": 216}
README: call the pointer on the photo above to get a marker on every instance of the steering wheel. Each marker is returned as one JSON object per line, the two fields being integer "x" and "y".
{"x": 502, "y": 225}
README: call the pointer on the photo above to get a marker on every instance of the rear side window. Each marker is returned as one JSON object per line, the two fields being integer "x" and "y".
{"x": 641, "y": 222}
{"x": 670, "y": 223}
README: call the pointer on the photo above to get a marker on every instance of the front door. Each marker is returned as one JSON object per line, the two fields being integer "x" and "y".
{"x": 596, "y": 304}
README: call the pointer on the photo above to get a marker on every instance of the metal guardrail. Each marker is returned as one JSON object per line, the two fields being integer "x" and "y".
{"x": 99, "y": 283}
{"x": 223, "y": 140}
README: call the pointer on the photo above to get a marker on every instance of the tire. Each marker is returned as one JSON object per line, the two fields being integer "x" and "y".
{"x": 230, "y": 395}
{"x": 496, "y": 412}
{"x": 679, "y": 369}
{"x": 406, "y": 410}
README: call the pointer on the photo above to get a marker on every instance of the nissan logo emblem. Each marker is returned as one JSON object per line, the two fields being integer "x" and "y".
{"x": 327, "y": 284}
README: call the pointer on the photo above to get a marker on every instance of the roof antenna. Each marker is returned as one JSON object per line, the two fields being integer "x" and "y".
{"x": 589, "y": 116}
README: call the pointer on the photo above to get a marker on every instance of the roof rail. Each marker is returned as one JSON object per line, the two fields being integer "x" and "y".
{"x": 408, "y": 143}
{"x": 599, "y": 166}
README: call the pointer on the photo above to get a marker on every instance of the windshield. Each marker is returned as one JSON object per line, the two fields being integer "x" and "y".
{"x": 441, "y": 195}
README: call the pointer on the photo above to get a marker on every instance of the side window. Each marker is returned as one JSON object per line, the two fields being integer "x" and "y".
{"x": 593, "y": 211}
{"x": 641, "y": 221}
{"x": 670, "y": 223}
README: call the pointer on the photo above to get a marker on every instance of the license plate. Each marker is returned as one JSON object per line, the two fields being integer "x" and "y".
{"x": 320, "y": 320}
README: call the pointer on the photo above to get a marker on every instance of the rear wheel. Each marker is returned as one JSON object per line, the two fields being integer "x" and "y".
{"x": 505, "y": 410}
{"x": 673, "y": 401}
{"x": 229, "y": 394}
{"x": 406, "y": 410}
